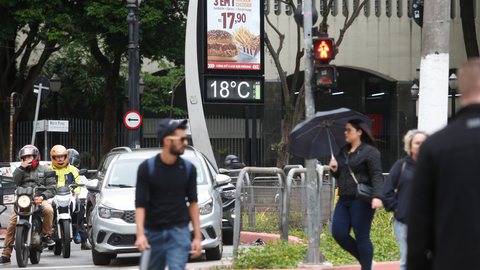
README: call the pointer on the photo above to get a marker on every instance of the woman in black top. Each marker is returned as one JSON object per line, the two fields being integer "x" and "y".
{"x": 363, "y": 158}
{"x": 396, "y": 191}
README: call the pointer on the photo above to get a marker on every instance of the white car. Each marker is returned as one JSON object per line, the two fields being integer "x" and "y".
{"x": 111, "y": 203}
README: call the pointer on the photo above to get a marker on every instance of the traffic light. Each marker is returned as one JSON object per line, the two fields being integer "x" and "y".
{"x": 325, "y": 76}
{"x": 324, "y": 49}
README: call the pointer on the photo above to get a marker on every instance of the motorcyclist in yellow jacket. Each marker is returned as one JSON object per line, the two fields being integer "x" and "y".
{"x": 67, "y": 174}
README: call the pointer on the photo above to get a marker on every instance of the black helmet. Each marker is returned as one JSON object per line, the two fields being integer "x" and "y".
{"x": 231, "y": 159}
{"x": 73, "y": 157}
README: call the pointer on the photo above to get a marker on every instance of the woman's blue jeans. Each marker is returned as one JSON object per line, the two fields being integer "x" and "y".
{"x": 351, "y": 213}
{"x": 170, "y": 246}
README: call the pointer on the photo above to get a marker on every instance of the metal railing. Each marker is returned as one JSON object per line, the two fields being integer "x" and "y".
{"x": 270, "y": 176}
{"x": 243, "y": 177}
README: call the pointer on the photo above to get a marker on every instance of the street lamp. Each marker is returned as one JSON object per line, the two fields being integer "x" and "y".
{"x": 133, "y": 67}
{"x": 453, "y": 84}
{"x": 55, "y": 85}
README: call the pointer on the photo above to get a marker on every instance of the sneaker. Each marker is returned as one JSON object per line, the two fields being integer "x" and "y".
{"x": 77, "y": 239}
{"x": 86, "y": 246}
{"x": 48, "y": 240}
{"x": 4, "y": 260}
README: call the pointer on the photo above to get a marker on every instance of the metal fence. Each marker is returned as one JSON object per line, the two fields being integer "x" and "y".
{"x": 227, "y": 137}
{"x": 264, "y": 197}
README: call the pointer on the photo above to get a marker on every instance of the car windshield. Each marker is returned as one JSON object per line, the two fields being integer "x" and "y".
{"x": 123, "y": 173}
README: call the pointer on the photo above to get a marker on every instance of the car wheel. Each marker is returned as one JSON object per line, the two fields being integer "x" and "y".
{"x": 214, "y": 254}
{"x": 102, "y": 258}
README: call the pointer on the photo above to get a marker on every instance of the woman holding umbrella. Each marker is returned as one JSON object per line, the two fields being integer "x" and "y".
{"x": 357, "y": 161}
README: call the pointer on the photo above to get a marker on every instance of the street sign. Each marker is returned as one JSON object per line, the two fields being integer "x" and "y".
{"x": 42, "y": 83}
{"x": 57, "y": 125}
{"x": 40, "y": 125}
{"x": 52, "y": 125}
{"x": 417, "y": 8}
{"x": 132, "y": 119}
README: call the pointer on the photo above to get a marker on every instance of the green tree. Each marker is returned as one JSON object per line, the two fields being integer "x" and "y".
{"x": 103, "y": 29}
{"x": 160, "y": 92}
{"x": 31, "y": 31}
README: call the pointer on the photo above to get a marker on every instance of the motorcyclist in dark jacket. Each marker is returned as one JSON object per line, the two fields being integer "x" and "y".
{"x": 31, "y": 173}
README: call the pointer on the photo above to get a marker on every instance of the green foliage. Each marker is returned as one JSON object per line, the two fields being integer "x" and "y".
{"x": 81, "y": 94}
{"x": 160, "y": 90}
{"x": 383, "y": 239}
{"x": 277, "y": 254}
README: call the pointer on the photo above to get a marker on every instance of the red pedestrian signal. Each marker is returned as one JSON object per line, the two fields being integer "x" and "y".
{"x": 324, "y": 49}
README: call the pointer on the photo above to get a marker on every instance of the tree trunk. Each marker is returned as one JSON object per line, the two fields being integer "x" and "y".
{"x": 468, "y": 26}
{"x": 110, "y": 114}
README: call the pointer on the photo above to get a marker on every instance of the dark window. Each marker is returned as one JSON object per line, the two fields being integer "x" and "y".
{"x": 288, "y": 9}
{"x": 366, "y": 9}
{"x": 276, "y": 7}
{"x": 266, "y": 7}
{"x": 334, "y": 8}
{"x": 378, "y": 10}
{"x": 345, "y": 8}
{"x": 399, "y": 8}
{"x": 388, "y": 8}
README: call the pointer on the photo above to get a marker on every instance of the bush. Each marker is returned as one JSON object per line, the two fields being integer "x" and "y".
{"x": 277, "y": 254}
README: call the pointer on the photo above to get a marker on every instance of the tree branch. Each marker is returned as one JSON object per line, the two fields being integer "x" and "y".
{"x": 281, "y": 72}
{"x": 281, "y": 37}
{"x": 349, "y": 22}
{"x": 101, "y": 59}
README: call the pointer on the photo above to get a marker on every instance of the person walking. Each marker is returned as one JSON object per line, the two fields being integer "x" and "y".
{"x": 162, "y": 215}
{"x": 31, "y": 173}
{"x": 396, "y": 190}
{"x": 357, "y": 161}
{"x": 443, "y": 221}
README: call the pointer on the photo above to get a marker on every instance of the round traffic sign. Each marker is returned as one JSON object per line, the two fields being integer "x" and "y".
{"x": 132, "y": 119}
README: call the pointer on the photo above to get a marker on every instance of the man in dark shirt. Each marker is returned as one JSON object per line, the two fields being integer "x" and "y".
{"x": 162, "y": 214}
{"x": 444, "y": 220}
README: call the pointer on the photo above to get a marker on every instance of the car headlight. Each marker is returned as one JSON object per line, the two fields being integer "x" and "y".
{"x": 24, "y": 201}
{"x": 229, "y": 194}
{"x": 206, "y": 207}
{"x": 106, "y": 212}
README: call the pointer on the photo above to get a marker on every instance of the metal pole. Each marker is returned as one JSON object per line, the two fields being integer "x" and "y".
{"x": 313, "y": 226}
{"x": 45, "y": 149}
{"x": 133, "y": 68}
{"x": 37, "y": 108}
{"x": 12, "y": 113}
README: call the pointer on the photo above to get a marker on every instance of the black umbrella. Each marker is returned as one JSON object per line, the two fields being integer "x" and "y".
{"x": 323, "y": 134}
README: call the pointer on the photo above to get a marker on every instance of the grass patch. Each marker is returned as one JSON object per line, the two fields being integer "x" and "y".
{"x": 383, "y": 239}
{"x": 278, "y": 254}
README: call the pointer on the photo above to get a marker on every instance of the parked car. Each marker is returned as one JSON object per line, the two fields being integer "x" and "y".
{"x": 111, "y": 203}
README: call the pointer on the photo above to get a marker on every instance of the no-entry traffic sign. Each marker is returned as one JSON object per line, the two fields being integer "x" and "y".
{"x": 132, "y": 119}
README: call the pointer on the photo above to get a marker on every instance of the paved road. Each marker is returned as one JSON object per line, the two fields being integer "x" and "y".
{"x": 82, "y": 259}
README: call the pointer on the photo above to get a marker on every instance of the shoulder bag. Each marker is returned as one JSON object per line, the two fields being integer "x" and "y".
{"x": 364, "y": 191}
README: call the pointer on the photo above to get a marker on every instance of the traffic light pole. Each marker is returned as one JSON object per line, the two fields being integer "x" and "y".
{"x": 313, "y": 211}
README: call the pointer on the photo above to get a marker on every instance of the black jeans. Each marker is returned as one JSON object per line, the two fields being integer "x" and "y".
{"x": 351, "y": 213}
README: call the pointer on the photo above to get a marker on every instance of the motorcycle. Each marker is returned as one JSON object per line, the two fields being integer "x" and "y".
{"x": 64, "y": 204}
{"x": 28, "y": 231}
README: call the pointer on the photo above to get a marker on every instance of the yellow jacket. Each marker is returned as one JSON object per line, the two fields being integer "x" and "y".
{"x": 64, "y": 173}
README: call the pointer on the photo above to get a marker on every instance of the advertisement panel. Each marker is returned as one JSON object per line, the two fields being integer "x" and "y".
{"x": 233, "y": 38}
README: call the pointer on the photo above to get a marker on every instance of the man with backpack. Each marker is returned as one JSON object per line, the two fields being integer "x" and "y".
{"x": 165, "y": 183}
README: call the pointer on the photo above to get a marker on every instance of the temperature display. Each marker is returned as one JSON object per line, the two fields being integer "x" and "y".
{"x": 226, "y": 89}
